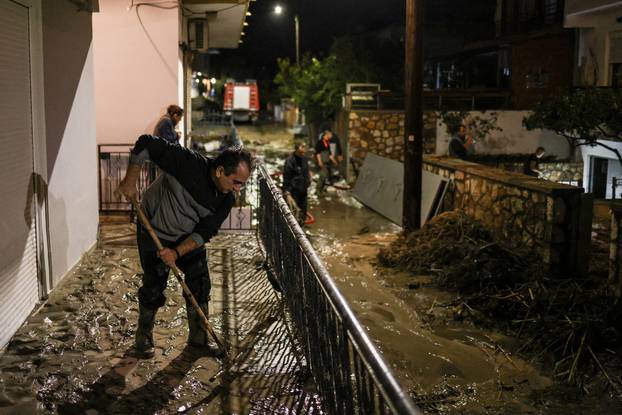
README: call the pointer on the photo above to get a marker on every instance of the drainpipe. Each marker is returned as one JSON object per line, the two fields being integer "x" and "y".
{"x": 187, "y": 76}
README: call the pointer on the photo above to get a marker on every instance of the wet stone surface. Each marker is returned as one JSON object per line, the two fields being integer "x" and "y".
{"x": 74, "y": 355}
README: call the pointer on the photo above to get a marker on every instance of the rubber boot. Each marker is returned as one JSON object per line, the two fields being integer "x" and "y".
{"x": 144, "y": 333}
{"x": 198, "y": 337}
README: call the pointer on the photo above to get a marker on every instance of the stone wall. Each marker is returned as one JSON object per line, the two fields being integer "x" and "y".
{"x": 552, "y": 218}
{"x": 562, "y": 172}
{"x": 555, "y": 171}
{"x": 523, "y": 211}
{"x": 382, "y": 133}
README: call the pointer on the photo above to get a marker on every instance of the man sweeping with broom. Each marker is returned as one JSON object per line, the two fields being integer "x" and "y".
{"x": 185, "y": 206}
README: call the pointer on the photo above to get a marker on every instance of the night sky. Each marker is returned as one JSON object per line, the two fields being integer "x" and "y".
{"x": 269, "y": 36}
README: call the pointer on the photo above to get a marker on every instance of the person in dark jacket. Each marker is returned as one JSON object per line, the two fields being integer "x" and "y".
{"x": 460, "y": 144}
{"x": 334, "y": 146}
{"x": 326, "y": 160}
{"x": 296, "y": 181}
{"x": 532, "y": 165}
{"x": 165, "y": 128}
{"x": 186, "y": 206}
{"x": 335, "y": 142}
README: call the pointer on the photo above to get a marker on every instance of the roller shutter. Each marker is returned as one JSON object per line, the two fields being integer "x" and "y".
{"x": 19, "y": 288}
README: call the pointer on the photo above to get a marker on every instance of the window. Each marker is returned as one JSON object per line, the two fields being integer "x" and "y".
{"x": 616, "y": 75}
{"x": 615, "y": 59}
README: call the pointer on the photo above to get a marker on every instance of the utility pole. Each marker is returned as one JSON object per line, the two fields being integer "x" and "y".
{"x": 413, "y": 117}
{"x": 297, "y": 24}
{"x": 297, "y": 13}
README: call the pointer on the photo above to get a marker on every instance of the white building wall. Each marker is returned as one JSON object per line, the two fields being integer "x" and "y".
{"x": 512, "y": 139}
{"x": 613, "y": 168}
{"x": 70, "y": 134}
{"x": 137, "y": 68}
{"x": 594, "y": 20}
{"x": 72, "y": 192}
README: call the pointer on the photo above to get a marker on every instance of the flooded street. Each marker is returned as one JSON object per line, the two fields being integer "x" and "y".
{"x": 453, "y": 367}
{"x": 449, "y": 365}
{"x": 75, "y": 354}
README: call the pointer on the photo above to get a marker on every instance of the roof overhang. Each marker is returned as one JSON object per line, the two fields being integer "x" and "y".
{"x": 225, "y": 19}
{"x": 580, "y": 13}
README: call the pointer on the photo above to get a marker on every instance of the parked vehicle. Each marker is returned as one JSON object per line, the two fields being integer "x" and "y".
{"x": 241, "y": 100}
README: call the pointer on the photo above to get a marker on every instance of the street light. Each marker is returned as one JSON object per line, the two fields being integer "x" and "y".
{"x": 278, "y": 10}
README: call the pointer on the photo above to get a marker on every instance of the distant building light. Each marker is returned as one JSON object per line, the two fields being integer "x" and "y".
{"x": 278, "y": 9}
{"x": 249, "y": 14}
{"x": 213, "y": 80}
{"x": 242, "y": 34}
{"x": 199, "y": 74}
{"x": 245, "y": 24}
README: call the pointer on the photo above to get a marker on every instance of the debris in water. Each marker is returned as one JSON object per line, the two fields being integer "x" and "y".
{"x": 573, "y": 319}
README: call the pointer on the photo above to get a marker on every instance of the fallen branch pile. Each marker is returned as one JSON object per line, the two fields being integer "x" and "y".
{"x": 570, "y": 319}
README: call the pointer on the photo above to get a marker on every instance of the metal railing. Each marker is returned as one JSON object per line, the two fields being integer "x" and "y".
{"x": 542, "y": 15}
{"x": 216, "y": 118}
{"x": 351, "y": 374}
{"x": 113, "y": 160}
{"x": 436, "y": 99}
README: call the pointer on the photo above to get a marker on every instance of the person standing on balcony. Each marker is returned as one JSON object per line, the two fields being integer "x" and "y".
{"x": 532, "y": 165}
{"x": 165, "y": 128}
{"x": 186, "y": 206}
{"x": 296, "y": 181}
{"x": 460, "y": 143}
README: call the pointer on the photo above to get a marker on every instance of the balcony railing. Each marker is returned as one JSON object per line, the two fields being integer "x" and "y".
{"x": 434, "y": 100}
{"x": 543, "y": 15}
{"x": 113, "y": 160}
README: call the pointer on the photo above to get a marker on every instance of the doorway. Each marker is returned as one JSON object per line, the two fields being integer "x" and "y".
{"x": 598, "y": 180}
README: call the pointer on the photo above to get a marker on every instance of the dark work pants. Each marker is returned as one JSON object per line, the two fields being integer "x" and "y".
{"x": 301, "y": 201}
{"x": 155, "y": 272}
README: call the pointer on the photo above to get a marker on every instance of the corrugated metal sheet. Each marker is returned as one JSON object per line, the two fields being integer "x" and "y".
{"x": 18, "y": 245}
{"x": 380, "y": 186}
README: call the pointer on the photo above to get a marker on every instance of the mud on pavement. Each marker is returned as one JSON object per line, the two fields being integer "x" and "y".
{"x": 74, "y": 354}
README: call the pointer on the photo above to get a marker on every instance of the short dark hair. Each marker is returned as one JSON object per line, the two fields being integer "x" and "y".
{"x": 298, "y": 144}
{"x": 174, "y": 110}
{"x": 231, "y": 158}
{"x": 539, "y": 149}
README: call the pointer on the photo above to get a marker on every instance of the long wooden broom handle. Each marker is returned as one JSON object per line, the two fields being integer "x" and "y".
{"x": 203, "y": 318}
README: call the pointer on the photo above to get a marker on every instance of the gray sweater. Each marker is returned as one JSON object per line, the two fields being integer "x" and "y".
{"x": 184, "y": 200}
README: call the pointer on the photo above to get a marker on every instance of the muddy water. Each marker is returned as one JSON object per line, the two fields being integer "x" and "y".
{"x": 74, "y": 355}
{"x": 453, "y": 368}
{"x": 447, "y": 364}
